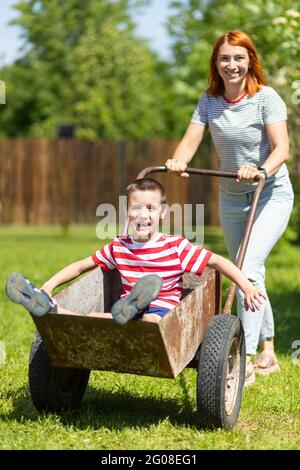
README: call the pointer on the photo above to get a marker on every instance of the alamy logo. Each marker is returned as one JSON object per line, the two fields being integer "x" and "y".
{"x": 296, "y": 353}
{"x": 178, "y": 219}
{"x": 2, "y": 92}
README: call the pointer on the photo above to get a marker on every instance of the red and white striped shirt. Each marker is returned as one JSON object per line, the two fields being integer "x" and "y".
{"x": 168, "y": 256}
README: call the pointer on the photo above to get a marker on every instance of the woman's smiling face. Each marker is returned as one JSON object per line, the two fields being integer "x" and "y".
{"x": 232, "y": 64}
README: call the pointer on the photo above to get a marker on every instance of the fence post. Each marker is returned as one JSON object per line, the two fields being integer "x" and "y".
{"x": 122, "y": 166}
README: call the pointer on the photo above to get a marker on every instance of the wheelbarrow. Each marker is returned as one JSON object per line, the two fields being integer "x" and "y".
{"x": 196, "y": 333}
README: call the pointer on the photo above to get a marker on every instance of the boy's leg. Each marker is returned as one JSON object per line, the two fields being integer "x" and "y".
{"x": 150, "y": 317}
{"x": 154, "y": 314}
{"x": 21, "y": 291}
{"x": 142, "y": 294}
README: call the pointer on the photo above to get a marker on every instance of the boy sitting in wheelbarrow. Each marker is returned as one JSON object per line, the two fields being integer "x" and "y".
{"x": 151, "y": 265}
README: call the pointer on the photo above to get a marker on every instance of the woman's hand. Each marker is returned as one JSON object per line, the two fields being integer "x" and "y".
{"x": 175, "y": 167}
{"x": 253, "y": 298}
{"x": 248, "y": 173}
{"x": 186, "y": 150}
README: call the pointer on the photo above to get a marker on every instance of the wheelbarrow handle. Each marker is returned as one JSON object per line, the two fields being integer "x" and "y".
{"x": 192, "y": 171}
{"x": 244, "y": 243}
{"x": 250, "y": 221}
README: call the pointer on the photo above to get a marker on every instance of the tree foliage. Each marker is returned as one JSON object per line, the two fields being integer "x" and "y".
{"x": 274, "y": 26}
{"x": 83, "y": 64}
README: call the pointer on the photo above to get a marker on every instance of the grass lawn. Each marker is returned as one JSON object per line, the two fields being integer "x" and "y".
{"x": 122, "y": 411}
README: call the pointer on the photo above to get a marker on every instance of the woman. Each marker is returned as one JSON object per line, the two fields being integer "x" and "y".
{"x": 247, "y": 121}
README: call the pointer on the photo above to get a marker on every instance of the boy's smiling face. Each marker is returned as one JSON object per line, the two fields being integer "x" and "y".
{"x": 144, "y": 213}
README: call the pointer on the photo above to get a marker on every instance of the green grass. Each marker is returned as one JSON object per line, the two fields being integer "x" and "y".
{"x": 122, "y": 411}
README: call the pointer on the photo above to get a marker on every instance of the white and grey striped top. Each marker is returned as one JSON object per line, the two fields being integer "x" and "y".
{"x": 239, "y": 131}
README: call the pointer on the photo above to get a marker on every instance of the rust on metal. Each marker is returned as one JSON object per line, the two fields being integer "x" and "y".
{"x": 160, "y": 350}
{"x": 183, "y": 332}
{"x": 83, "y": 342}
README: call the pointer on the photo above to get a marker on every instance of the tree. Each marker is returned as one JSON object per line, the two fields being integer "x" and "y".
{"x": 82, "y": 64}
{"x": 274, "y": 26}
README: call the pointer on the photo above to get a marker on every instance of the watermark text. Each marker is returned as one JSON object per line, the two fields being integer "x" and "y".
{"x": 186, "y": 219}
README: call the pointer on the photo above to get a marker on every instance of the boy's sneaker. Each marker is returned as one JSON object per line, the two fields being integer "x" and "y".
{"x": 141, "y": 295}
{"x": 21, "y": 291}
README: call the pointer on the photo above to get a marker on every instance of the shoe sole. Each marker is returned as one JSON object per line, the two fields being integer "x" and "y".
{"x": 142, "y": 294}
{"x": 20, "y": 292}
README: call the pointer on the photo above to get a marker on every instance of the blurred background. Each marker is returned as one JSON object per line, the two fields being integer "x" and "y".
{"x": 96, "y": 90}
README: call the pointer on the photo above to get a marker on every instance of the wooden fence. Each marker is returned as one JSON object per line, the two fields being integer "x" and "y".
{"x": 64, "y": 180}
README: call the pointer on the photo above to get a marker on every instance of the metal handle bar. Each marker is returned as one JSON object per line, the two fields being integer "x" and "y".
{"x": 195, "y": 171}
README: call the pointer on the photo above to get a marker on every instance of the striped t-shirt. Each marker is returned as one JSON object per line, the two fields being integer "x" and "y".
{"x": 239, "y": 131}
{"x": 168, "y": 256}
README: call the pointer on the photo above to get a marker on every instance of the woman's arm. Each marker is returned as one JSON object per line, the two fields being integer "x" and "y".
{"x": 186, "y": 149}
{"x": 278, "y": 137}
{"x": 68, "y": 273}
{"x": 252, "y": 295}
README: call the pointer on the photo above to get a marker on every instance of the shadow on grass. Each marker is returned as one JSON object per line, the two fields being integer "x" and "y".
{"x": 115, "y": 410}
{"x": 286, "y": 310}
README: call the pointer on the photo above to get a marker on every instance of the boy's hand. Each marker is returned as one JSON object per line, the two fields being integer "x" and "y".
{"x": 254, "y": 299}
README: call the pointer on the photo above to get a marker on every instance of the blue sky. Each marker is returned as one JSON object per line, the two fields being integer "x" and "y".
{"x": 150, "y": 24}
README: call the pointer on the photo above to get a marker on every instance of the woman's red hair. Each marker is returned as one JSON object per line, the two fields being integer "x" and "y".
{"x": 255, "y": 77}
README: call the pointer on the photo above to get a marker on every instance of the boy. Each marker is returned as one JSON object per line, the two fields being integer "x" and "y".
{"x": 151, "y": 265}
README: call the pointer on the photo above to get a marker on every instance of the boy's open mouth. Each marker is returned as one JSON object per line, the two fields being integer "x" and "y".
{"x": 141, "y": 226}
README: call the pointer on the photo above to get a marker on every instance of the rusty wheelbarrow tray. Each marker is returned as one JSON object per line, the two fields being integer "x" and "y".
{"x": 67, "y": 347}
{"x": 157, "y": 349}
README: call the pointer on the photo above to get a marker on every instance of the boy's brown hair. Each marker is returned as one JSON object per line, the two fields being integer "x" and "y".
{"x": 146, "y": 184}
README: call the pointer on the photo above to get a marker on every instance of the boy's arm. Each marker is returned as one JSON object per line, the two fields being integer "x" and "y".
{"x": 226, "y": 267}
{"x": 68, "y": 273}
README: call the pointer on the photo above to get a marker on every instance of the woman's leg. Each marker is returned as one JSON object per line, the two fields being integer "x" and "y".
{"x": 271, "y": 220}
{"x": 234, "y": 210}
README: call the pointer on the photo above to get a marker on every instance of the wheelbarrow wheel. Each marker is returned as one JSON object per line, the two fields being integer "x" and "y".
{"x": 53, "y": 388}
{"x": 221, "y": 372}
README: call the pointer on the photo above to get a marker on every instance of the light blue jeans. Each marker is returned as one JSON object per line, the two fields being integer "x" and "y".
{"x": 272, "y": 216}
